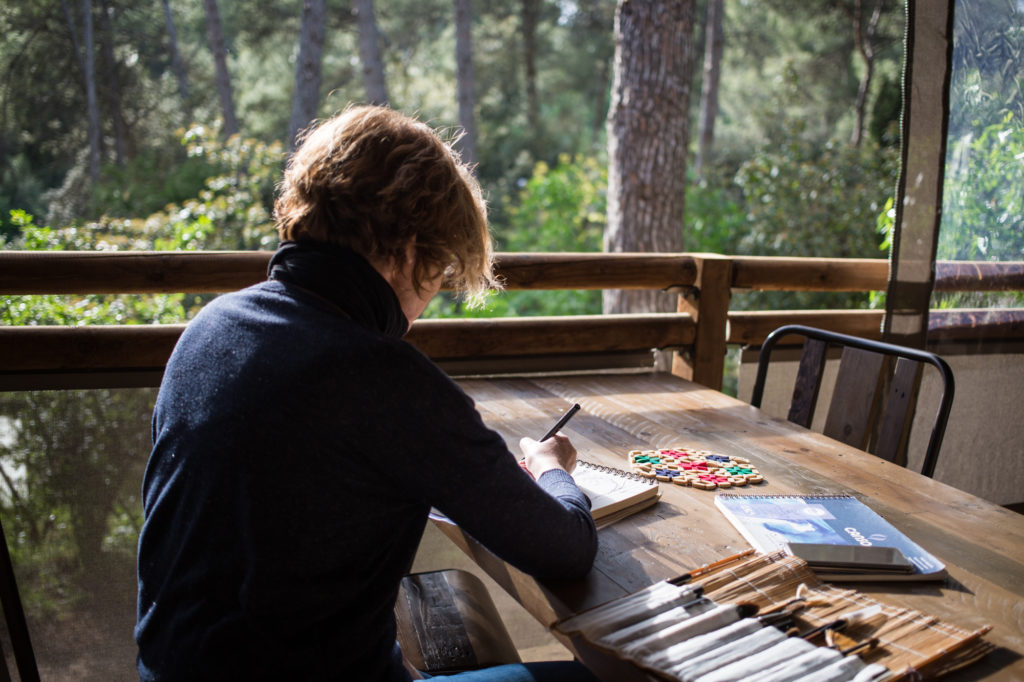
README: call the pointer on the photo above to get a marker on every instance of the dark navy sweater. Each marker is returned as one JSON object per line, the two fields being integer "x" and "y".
{"x": 298, "y": 449}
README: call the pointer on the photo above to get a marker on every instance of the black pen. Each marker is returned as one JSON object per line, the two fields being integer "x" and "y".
{"x": 561, "y": 422}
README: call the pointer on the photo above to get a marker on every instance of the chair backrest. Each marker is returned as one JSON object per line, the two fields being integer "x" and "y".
{"x": 875, "y": 395}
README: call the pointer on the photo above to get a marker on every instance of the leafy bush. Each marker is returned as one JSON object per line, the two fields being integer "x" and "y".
{"x": 234, "y": 208}
{"x": 560, "y": 208}
{"x": 715, "y": 217}
{"x": 983, "y": 199}
{"x": 805, "y": 200}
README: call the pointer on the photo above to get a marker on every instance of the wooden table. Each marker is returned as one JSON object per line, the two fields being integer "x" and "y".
{"x": 981, "y": 543}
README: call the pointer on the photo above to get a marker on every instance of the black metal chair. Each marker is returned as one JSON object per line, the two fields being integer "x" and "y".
{"x": 14, "y": 617}
{"x": 875, "y": 396}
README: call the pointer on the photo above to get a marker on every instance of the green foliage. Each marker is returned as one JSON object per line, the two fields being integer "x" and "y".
{"x": 231, "y": 210}
{"x": 983, "y": 195}
{"x": 988, "y": 49}
{"x": 235, "y": 206}
{"x": 88, "y": 309}
{"x": 147, "y": 183}
{"x": 20, "y": 188}
{"x": 560, "y": 208}
{"x": 983, "y": 206}
{"x": 715, "y": 218}
{"x": 789, "y": 60}
{"x": 804, "y": 200}
{"x": 983, "y": 199}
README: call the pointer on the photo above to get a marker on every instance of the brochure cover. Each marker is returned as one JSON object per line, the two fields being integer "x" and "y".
{"x": 771, "y": 522}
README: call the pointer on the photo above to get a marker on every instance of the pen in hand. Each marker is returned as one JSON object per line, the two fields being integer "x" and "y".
{"x": 554, "y": 429}
{"x": 561, "y": 422}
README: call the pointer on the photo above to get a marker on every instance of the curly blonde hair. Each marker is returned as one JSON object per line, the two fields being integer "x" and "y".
{"x": 375, "y": 180}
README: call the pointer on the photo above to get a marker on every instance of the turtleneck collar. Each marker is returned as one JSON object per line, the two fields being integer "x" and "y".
{"x": 345, "y": 279}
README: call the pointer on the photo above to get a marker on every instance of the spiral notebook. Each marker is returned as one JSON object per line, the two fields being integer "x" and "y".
{"x": 613, "y": 493}
{"x": 771, "y": 522}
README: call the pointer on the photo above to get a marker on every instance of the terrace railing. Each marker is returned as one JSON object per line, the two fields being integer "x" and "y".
{"x": 699, "y": 332}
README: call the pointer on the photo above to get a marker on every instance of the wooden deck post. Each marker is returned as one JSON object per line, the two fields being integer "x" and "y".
{"x": 708, "y": 304}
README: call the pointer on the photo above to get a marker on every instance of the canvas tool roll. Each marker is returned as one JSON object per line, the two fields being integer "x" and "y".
{"x": 768, "y": 618}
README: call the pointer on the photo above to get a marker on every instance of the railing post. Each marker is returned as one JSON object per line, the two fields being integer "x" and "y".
{"x": 708, "y": 304}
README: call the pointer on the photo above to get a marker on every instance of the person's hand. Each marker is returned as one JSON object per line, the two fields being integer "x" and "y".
{"x": 554, "y": 453}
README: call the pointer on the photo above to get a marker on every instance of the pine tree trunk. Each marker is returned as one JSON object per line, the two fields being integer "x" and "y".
{"x": 215, "y": 34}
{"x": 90, "y": 91}
{"x": 648, "y": 134}
{"x": 86, "y": 62}
{"x": 864, "y": 35}
{"x": 177, "y": 65}
{"x": 308, "y": 67}
{"x": 369, "y": 53}
{"x": 113, "y": 89}
{"x": 713, "y": 43}
{"x": 465, "y": 80}
{"x": 529, "y": 15}
{"x": 84, "y": 58}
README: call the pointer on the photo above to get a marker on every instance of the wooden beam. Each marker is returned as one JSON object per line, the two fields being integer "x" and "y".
{"x": 979, "y": 324}
{"x": 145, "y": 347}
{"x": 596, "y": 270}
{"x": 476, "y": 338}
{"x": 87, "y": 348}
{"x": 751, "y": 327}
{"x": 768, "y": 273}
{"x": 708, "y": 304}
{"x": 129, "y": 272}
{"x": 979, "y": 276}
{"x": 132, "y": 272}
{"x": 116, "y": 272}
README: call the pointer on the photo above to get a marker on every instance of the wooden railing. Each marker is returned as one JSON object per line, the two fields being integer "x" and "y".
{"x": 39, "y": 356}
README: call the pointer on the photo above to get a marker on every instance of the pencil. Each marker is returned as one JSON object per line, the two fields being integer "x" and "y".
{"x": 561, "y": 422}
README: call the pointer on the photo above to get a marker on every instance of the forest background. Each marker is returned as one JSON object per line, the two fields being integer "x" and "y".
{"x": 184, "y": 154}
{"x": 165, "y": 125}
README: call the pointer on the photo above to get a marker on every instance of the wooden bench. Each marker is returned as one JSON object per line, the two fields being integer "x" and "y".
{"x": 448, "y": 623}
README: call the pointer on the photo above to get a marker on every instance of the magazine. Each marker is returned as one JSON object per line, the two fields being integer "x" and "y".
{"x": 771, "y": 522}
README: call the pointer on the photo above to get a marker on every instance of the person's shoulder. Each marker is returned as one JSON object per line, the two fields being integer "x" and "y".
{"x": 229, "y": 306}
{"x": 406, "y": 354}
{"x": 401, "y": 358}
{"x": 237, "y": 298}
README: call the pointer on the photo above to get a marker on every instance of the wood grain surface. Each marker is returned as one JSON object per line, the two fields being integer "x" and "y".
{"x": 981, "y": 543}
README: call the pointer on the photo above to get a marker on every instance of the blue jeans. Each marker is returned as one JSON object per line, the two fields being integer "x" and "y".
{"x": 548, "y": 671}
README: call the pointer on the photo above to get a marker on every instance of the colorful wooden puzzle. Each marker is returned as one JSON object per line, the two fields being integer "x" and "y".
{"x": 696, "y": 468}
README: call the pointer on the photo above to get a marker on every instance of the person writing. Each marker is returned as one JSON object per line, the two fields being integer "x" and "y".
{"x": 299, "y": 442}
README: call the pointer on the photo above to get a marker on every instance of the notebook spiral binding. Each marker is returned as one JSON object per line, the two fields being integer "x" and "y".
{"x": 616, "y": 472}
{"x": 822, "y": 496}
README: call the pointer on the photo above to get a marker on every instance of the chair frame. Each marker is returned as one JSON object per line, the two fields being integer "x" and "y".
{"x": 14, "y": 615}
{"x": 905, "y": 374}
